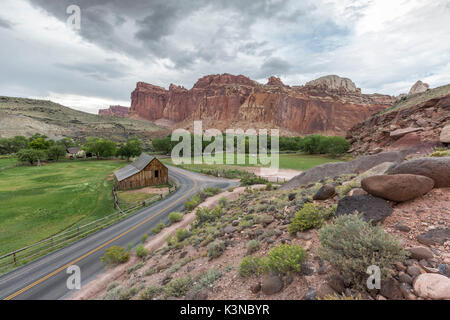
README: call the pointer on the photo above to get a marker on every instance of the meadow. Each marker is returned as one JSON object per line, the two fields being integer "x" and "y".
{"x": 292, "y": 161}
{"x": 38, "y": 202}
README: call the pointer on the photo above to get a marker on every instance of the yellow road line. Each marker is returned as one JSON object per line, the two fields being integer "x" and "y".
{"x": 94, "y": 250}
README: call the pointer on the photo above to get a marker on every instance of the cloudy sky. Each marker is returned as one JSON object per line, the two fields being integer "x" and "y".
{"x": 383, "y": 46}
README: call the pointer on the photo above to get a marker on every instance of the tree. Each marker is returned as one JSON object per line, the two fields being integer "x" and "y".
{"x": 162, "y": 145}
{"x": 40, "y": 144}
{"x": 31, "y": 155}
{"x": 67, "y": 142}
{"x": 106, "y": 148}
{"x": 56, "y": 151}
{"x": 132, "y": 148}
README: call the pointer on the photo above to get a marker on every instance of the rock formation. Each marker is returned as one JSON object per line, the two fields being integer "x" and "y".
{"x": 418, "y": 87}
{"x": 417, "y": 122}
{"x": 117, "y": 111}
{"x": 329, "y": 105}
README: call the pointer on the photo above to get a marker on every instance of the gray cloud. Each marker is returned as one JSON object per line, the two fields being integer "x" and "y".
{"x": 5, "y": 23}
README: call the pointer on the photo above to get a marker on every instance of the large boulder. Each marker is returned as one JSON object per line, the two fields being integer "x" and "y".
{"x": 432, "y": 286}
{"x": 325, "y": 192}
{"x": 372, "y": 208}
{"x": 437, "y": 169}
{"x": 334, "y": 169}
{"x": 445, "y": 134}
{"x": 271, "y": 285}
{"x": 397, "y": 187}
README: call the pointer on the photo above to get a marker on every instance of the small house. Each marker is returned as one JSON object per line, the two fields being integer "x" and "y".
{"x": 145, "y": 171}
{"x": 72, "y": 152}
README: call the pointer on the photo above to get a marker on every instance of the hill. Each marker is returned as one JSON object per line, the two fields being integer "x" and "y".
{"x": 21, "y": 116}
{"x": 415, "y": 121}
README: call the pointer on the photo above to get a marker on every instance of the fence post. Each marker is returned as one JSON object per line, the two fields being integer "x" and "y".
{"x": 15, "y": 260}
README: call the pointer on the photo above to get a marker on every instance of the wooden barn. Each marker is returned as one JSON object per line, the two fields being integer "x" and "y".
{"x": 145, "y": 171}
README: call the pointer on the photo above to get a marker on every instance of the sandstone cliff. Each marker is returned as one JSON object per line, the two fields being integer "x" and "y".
{"x": 330, "y": 105}
{"x": 117, "y": 111}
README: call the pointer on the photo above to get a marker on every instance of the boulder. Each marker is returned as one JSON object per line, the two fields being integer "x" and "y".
{"x": 324, "y": 290}
{"x": 437, "y": 169}
{"x": 271, "y": 285}
{"x": 336, "y": 281}
{"x": 433, "y": 236}
{"x": 401, "y": 132}
{"x": 397, "y": 187}
{"x": 432, "y": 286}
{"x": 420, "y": 253}
{"x": 357, "y": 192}
{"x": 372, "y": 208}
{"x": 391, "y": 289}
{"x": 325, "y": 192}
{"x": 334, "y": 169}
{"x": 445, "y": 134}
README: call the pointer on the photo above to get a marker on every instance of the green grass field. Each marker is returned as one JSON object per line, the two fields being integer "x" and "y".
{"x": 37, "y": 202}
{"x": 287, "y": 161}
{"x": 7, "y": 162}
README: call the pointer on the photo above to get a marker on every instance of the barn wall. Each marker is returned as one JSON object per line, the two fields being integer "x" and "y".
{"x": 146, "y": 177}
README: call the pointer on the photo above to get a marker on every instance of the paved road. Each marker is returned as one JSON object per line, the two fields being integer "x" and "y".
{"x": 45, "y": 278}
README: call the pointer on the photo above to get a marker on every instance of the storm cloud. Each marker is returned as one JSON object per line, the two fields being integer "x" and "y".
{"x": 384, "y": 46}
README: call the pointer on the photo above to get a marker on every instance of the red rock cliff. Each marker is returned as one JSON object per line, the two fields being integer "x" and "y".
{"x": 118, "y": 111}
{"x": 329, "y": 105}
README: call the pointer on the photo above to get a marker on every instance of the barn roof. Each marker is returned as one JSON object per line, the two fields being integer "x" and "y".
{"x": 138, "y": 165}
{"x": 73, "y": 150}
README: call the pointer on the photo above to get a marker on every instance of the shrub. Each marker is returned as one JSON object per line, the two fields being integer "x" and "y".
{"x": 134, "y": 268}
{"x": 182, "y": 234}
{"x": 440, "y": 153}
{"x": 204, "y": 280}
{"x": 141, "y": 251}
{"x": 158, "y": 228}
{"x": 204, "y": 215}
{"x": 252, "y": 266}
{"x": 253, "y": 246}
{"x": 252, "y": 179}
{"x": 150, "y": 293}
{"x": 216, "y": 248}
{"x": 177, "y": 287}
{"x": 309, "y": 217}
{"x": 191, "y": 204}
{"x": 223, "y": 202}
{"x": 362, "y": 246}
{"x": 144, "y": 238}
{"x": 286, "y": 258}
{"x": 175, "y": 217}
{"x": 115, "y": 255}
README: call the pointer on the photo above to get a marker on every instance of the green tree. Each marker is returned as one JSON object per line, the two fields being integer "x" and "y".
{"x": 31, "y": 155}
{"x": 56, "y": 151}
{"x": 132, "y": 148}
{"x": 40, "y": 144}
{"x": 162, "y": 145}
{"x": 101, "y": 148}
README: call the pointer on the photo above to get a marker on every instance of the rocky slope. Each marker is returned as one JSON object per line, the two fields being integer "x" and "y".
{"x": 26, "y": 117}
{"x": 117, "y": 111}
{"x": 206, "y": 262}
{"x": 330, "y": 105}
{"x": 414, "y": 121}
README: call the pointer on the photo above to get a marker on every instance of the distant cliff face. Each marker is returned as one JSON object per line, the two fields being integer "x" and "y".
{"x": 118, "y": 111}
{"x": 329, "y": 105}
